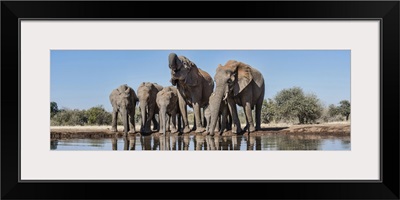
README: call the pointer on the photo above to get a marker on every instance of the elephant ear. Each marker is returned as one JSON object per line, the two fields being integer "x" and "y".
{"x": 133, "y": 98}
{"x": 244, "y": 77}
{"x": 193, "y": 74}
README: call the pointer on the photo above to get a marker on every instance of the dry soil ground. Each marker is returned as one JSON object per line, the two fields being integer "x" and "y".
{"x": 104, "y": 131}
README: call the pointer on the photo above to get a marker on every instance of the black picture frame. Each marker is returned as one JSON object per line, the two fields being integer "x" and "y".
{"x": 386, "y": 11}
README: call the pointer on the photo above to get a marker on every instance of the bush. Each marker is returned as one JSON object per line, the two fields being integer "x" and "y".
{"x": 53, "y": 108}
{"x": 292, "y": 104}
{"x": 67, "y": 117}
{"x": 268, "y": 111}
{"x": 344, "y": 108}
{"x": 94, "y": 116}
{"x": 98, "y": 116}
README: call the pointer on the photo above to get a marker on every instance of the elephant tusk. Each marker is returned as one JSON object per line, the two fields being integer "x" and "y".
{"x": 225, "y": 97}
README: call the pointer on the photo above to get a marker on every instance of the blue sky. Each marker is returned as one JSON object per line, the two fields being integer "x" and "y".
{"x": 81, "y": 79}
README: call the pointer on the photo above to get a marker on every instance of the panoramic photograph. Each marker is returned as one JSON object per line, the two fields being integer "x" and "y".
{"x": 200, "y": 100}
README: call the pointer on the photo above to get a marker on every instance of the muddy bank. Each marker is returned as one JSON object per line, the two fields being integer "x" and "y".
{"x": 104, "y": 132}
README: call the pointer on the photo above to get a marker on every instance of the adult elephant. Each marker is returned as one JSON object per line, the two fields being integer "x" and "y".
{"x": 194, "y": 88}
{"x": 241, "y": 84}
{"x": 147, "y": 94}
{"x": 123, "y": 100}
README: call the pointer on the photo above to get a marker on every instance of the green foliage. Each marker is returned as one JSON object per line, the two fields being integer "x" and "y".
{"x": 332, "y": 110}
{"x": 344, "y": 108}
{"x": 138, "y": 115}
{"x": 94, "y": 116}
{"x": 67, "y": 117}
{"x": 53, "y": 108}
{"x": 268, "y": 111}
{"x": 190, "y": 115}
{"x": 292, "y": 104}
{"x": 98, "y": 116}
{"x": 337, "y": 113}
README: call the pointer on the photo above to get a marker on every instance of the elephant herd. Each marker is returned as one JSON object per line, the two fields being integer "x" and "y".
{"x": 236, "y": 83}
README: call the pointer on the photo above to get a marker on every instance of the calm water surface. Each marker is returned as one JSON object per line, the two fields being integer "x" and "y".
{"x": 270, "y": 142}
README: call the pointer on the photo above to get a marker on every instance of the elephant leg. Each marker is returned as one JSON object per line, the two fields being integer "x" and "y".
{"x": 223, "y": 120}
{"x": 208, "y": 119}
{"x": 173, "y": 116}
{"x": 167, "y": 125}
{"x": 229, "y": 119}
{"x": 203, "y": 118}
{"x": 197, "y": 115}
{"x": 114, "y": 121}
{"x": 218, "y": 124}
{"x": 132, "y": 125}
{"x": 232, "y": 108}
{"x": 249, "y": 117}
{"x": 183, "y": 109}
{"x": 156, "y": 125}
{"x": 162, "y": 121}
{"x": 179, "y": 118}
{"x": 149, "y": 119}
{"x": 258, "y": 114}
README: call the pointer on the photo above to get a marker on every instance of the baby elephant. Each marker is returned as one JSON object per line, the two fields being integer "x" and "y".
{"x": 167, "y": 102}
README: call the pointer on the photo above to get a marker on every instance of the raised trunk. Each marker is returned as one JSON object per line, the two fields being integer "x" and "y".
{"x": 215, "y": 105}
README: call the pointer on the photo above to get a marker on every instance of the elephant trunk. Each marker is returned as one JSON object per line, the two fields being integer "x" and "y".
{"x": 215, "y": 104}
{"x": 144, "y": 118}
{"x": 125, "y": 120}
{"x": 163, "y": 119}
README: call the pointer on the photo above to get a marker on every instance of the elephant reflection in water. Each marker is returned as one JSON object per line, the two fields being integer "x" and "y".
{"x": 236, "y": 142}
{"x": 212, "y": 143}
{"x": 129, "y": 143}
{"x": 200, "y": 142}
{"x": 253, "y": 141}
{"x": 186, "y": 141}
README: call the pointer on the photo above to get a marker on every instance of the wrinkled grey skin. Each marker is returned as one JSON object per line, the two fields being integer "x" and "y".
{"x": 224, "y": 121}
{"x": 147, "y": 94}
{"x": 167, "y": 102}
{"x": 194, "y": 88}
{"x": 240, "y": 84}
{"x": 123, "y": 100}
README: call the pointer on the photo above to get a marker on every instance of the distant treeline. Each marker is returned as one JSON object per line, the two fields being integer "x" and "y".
{"x": 288, "y": 106}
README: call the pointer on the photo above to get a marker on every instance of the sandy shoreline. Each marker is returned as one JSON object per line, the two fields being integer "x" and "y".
{"x": 104, "y": 131}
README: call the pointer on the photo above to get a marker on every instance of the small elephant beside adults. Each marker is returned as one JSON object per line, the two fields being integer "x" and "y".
{"x": 238, "y": 83}
{"x": 167, "y": 102}
{"x": 147, "y": 94}
{"x": 194, "y": 89}
{"x": 123, "y": 100}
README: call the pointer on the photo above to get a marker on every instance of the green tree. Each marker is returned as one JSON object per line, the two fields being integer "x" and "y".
{"x": 138, "y": 115}
{"x": 332, "y": 110}
{"x": 53, "y": 108}
{"x": 344, "y": 108}
{"x": 268, "y": 111}
{"x": 311, "y": 109}
{"x": 293, "y": 104}
{"x": 98, "y": 115}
